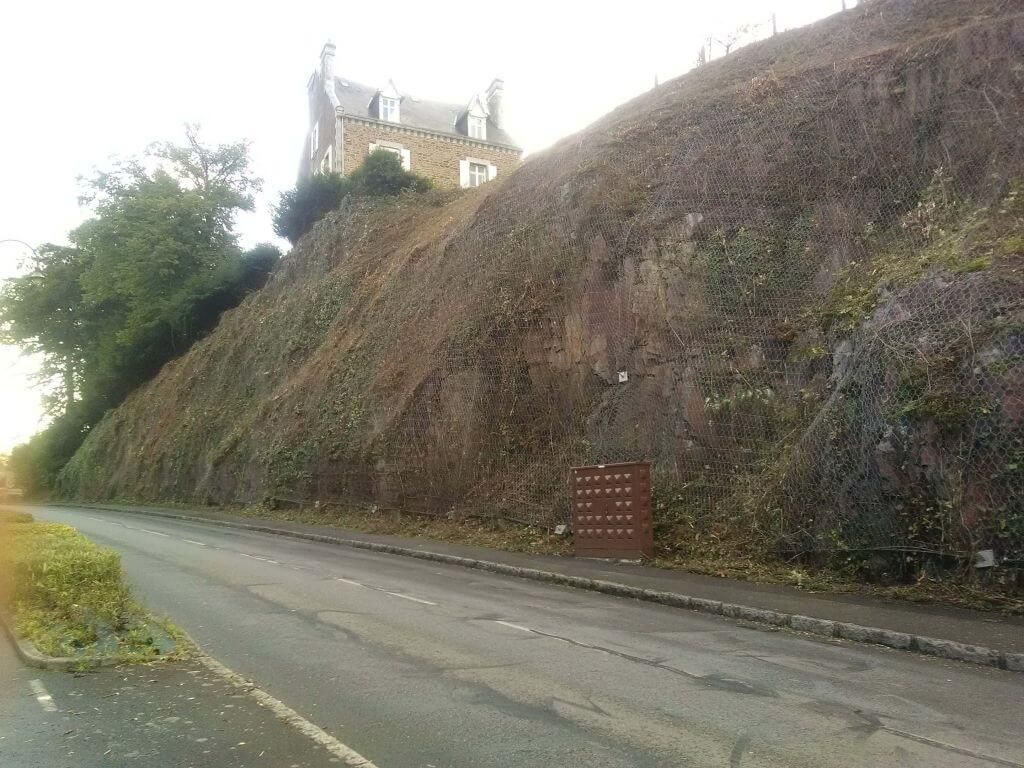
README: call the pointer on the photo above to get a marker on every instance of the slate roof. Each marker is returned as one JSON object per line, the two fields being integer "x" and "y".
{"x": 436, "y": 116}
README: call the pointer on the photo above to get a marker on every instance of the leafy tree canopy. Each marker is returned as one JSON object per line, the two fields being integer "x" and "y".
{"x": 148, "y": 274}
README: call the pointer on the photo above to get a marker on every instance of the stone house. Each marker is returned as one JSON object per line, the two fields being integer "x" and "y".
{"x": 453, "y": 145}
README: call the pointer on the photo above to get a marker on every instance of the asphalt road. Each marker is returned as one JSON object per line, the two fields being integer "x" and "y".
{"x": 413, "y": 663}
{"x": 156, "y": 716}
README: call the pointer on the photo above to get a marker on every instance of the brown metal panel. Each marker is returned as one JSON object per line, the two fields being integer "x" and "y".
{"x": 611, "y": 510}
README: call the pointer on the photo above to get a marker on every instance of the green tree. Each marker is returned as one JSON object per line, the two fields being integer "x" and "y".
{"x": 148, "y": 274}
{"x": 43, "y": 312}
{"x": 218, "y": 173}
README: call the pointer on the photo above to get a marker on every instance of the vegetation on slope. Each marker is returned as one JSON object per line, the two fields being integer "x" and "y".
{"x": 774, "y": 248}
{"x": 380, "y": 175}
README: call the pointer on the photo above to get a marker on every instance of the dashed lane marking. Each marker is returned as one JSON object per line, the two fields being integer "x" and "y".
{"x": 513, "y": 626}
{"x": 42, "y": 695}
{"x": 197, "y": 543}
{"x": 409, "y": 597}
{"x": 155, "y": 533}
{"x": 349, "y": 581}
{"x": 257, "y": 557}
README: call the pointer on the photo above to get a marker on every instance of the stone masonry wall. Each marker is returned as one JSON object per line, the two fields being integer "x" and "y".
{"x": 436, "y": 157}
{"x": 323, "y": 111}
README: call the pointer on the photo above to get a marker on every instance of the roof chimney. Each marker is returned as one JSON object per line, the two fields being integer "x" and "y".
{"x": 495, "y": 95}
{"x": 327, "y": 62}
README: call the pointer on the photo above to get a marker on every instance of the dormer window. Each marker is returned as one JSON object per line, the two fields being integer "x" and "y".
{"x": 389, "y": 109}
{"x": 477, "y": 128}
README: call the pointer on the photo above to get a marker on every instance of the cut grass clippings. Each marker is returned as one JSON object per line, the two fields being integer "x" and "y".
{"x": 69, "y": 596}
{"x": 471, "y": 531}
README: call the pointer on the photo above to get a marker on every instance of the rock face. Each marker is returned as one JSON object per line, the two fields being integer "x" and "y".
{"x": 804, "y": 259}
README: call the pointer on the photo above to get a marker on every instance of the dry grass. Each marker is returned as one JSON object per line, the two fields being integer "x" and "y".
{"x": 493, "y": 534}
{"x": 925, "y": 590}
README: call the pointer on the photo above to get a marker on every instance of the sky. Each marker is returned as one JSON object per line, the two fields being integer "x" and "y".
{"x": 84, "y": 82}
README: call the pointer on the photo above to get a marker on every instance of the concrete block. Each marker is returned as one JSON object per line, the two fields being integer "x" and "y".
{"x": 673, "y": 599}
{"x": 706, "y": 606}
{"x": 730, "y": 609}
{"x": 875, "y": 635}
{"x": 1014, "y": 661}
{"x": 762, "y": 616}
{"x": 815, "y": 626}
{"x": 947, "y": 649}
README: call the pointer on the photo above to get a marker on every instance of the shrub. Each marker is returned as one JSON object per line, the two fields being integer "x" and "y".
{"x": 313, "y": 198}
{"x": 380, "y": 175}
{"x": 68, "y": 593}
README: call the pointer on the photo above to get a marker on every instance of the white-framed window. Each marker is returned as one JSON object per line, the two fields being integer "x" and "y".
{"x": 327, "y": 164}
{"x": 473, "y": 172}
{"x": 314, "y": 139}
{"x": 477, "y": 174}
{"x": 389, "y": 109}
{"x": 398, "y": 149}
{"x": 477, "y": 127}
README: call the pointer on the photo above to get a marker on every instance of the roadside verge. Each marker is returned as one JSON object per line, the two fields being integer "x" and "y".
{"x": 65, "y": 603}
{"x": 828, "y": 623}
{"x": 28, "y": 653}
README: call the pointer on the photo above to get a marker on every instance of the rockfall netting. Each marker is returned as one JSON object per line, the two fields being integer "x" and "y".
{"x": 799, "y": 296}
{"x": 790, "y": 279}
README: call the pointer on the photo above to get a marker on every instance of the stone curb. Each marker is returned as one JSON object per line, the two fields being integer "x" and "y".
{"x": 29, "y": 654}
{"x": 928, "y": 646}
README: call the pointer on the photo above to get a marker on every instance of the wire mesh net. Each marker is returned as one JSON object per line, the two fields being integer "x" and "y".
{"x": 672, "y": 288}
{"x": 790, "y": 280}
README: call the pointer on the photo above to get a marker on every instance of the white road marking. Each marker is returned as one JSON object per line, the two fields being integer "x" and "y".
{"x": 409, "y": 597}
{"x": 257, "y": 557}
{"x": 513, "y": 626}
{"x": 288, "y": 715}
{"x": 197, "y": 543}
{"x": 155, "y": 533}
{"x": 97, "y": 519}
{"x": 349, "y": 581}
{"x": 42, "y": 695}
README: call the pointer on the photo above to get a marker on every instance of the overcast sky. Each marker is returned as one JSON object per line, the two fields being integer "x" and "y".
{"x": 82, "y": 82}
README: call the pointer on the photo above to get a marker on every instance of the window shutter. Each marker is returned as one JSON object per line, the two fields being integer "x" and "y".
{"x": 492, "y": 171}
{"x": 406, "y": 159}
{"x": 463, "y": 173}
